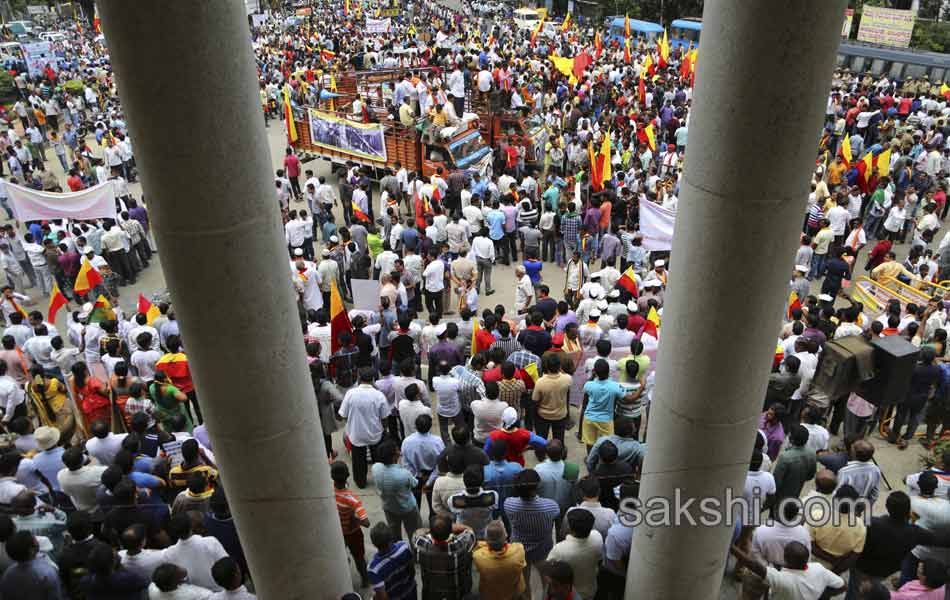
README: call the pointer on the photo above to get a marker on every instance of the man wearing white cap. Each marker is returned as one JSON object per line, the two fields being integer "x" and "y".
{"x": 329, "y": 271}
{"x": 608, "y": 277}
{"x": 307, "y": 283}
{"x": 590, "y": 332}
{"x": 658, "y": 273}
{"x": 594, "y": 288}
{"x": 799, "y": 284}
{"x": 524, "y": 291}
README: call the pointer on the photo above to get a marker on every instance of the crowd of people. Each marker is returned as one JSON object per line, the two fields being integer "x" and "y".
{"x": 521, "y": 427}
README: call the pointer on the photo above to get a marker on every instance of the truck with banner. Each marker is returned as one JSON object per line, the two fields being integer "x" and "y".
{"x": 38, "y": 55}
{"x": 335, "y": 136}
{"x": 522, "y": 128}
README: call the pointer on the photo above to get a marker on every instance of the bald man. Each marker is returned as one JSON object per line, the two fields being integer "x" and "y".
{"x": 861, "y": 472}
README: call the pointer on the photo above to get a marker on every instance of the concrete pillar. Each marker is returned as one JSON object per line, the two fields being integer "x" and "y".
{"x": 764, "y": 73}
{"x": 188, "y": 83}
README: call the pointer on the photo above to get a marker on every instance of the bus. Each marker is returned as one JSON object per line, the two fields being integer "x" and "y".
{"x": 896, "y": 63}
{"x": 638, "y": 29}
{"x": 684, "y": 32}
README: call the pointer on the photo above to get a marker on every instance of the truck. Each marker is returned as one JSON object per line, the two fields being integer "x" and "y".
{"x": 519, "y": 127}
{"x": 338, "y": 138}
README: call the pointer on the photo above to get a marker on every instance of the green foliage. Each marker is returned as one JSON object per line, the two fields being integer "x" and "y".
{"x": 933, "y": 36}
{"x": 73, "y": 86}
{"x": 8, "y": 92}
{"x": 649, "y": 10}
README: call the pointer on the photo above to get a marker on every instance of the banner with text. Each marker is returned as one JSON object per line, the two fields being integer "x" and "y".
{"x": 97, "y": 202}
{"x": 366, "y": 140}
{"x": 656, "y": 226}
{"x": 378, "y": 25}
{"x": 886, "y": 26}
{"x": 848, "y": 19}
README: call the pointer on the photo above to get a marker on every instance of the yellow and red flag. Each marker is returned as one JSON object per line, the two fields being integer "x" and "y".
{"x": 56, "y": 301}
{"x": 339, "y": 319}
{"x": 648, "y": 65}
{"x": 626, "y": 26}
{"x": 101, "y": 311}
{"x": 686, "y": 66}
{"x": 537, "y": 30}
{"x": 663, "y": 47}
{"x": 567, "y": 22}
{"x": 598, "y": 45}
{"x": 845, "y": 150}
{"x": 627, "y": 56}
{"x": 884, "y": 163}
{"x": 642, "y": 89}
{"x": 628, "y": 281}
{"x": 945, "y": 90}
{"x": 289, "y": 116}
{"x": 868, "y": 161}
{"x": 87, "y": 279}
{"x": 358, "y": 213}
{"x": 346, "y": 7}
{"x": 148, "y": 309}
{"x": 793, "y": 303}
{"x": 650, "y": 137}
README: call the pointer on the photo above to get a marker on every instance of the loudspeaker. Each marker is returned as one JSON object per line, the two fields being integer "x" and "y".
{"x": 894, "y": 361}
{"x": 838, "y": 371}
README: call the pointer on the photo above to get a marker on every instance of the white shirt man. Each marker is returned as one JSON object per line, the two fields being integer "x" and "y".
{"x": 364, "y": 408}
{"x": 769, "y": 541}
{"x": 104, "y": 449}
{"x": 434, "y": 275}
{"x": 197, "y": 554}
{"x": 795, "y": 584}
{"x": 295, "y": 232}
{"x": 81, "y": 485}
{"x": 838, "y": 216}
{"x": 308, "y": 280}
{"x": 386, "y": 262}
{"x": 524, "y": 292}
{"x": 584, "y": 555}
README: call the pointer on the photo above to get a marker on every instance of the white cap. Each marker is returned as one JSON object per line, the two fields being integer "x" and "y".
{"x": 826, "y": 298}
{"x": 632, "y": 306}
{"x": 440, "y": 329}
{"x": 801, "y": 268}
{"x": 298, "y": 252}
{"x": 86, "y": 310}
{"x": 613, "y": 294}
{"x": 602, "y": 304}
{"x": 595, "y": 313}
{"x": 325, "y": 253}
{"x": 651, "y": 283}
{"x": 595, "y": 275}
{"x": 659, "y": 263}
{"x": 509, "y": 416}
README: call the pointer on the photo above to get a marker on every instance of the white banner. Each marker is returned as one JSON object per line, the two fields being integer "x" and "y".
{"x": 97, "y": 202}
{"x": 656, "y": 226}
{"x": 38, "y": 55}
{"x": 378, "y": 25}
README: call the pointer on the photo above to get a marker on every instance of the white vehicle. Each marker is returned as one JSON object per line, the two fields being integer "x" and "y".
{"x": 52, "y": 36}
{"x": 526, "y": 19}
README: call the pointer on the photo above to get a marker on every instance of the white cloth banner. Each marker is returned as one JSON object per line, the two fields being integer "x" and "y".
{"x": 378, "y": 25}
{"x": 656, "y": 226}
{"x": 97, "y": 202}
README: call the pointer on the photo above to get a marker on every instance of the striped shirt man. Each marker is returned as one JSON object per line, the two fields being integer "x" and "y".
{"x": 532, "y": 522}
{"x": 508, "y": 344}
{"x": 864, "y": 476}
{"x": 393, "y": 571}
{"x": 471, "y": 386}
{"x": 350, "y": 509}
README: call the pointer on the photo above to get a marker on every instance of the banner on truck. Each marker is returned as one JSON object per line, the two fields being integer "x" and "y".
{"x": 886, "y": 26}
{"x": 38, "y": 55}
{"x": 366, "y": 140}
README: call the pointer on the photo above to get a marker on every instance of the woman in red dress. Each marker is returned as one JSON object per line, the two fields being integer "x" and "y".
{"x": 92, "y": 396}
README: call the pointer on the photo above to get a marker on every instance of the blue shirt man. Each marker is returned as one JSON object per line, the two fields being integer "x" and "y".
{"x": 496, "y": 224}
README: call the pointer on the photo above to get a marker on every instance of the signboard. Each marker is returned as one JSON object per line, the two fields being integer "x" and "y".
{"x": 37, "y": 10}
{"x": 38, "y": 55}
{"x": 366, "y": 295}
{"x": 846, "y": 26}
{"x": 252, "y": 6}
{"x": 886, "y": 26}
{"x": 378, "y": 25}
{"x": 365, "y": 140}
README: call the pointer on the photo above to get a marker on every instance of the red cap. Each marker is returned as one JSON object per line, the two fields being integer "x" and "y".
{"x": 557, "y": 339}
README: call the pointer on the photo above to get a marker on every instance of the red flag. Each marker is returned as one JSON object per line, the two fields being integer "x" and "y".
{"x": 87, "y": 279}
{"x": 598, "y": 44}
{"x": 581, "y": 62}
{"x": 339, "y": 319}
{"x": 359, "y": 214}
{"x": 627, "y": 57}
{"x": 642, "y": 88}
{"x": 148, "y": 309}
